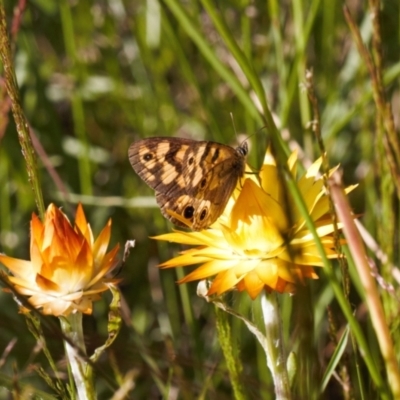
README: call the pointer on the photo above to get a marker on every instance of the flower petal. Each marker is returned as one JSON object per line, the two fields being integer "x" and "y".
{"x": 67, "y": 271}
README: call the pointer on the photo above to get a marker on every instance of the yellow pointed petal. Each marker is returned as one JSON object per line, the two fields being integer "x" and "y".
{"x": 292, "y": 161}
{"x": 223, "y": 282}
{"x": 313, "y": 170}
{"x": 101, "y": 244}
{"x": 253, "y": 284}
{"x": 16, "y": 266}
{"x": 208, "y": 270}
{"x": 80, "y": 219}
{"x": 191, "y": 238}
{"x": 267, "y": 272}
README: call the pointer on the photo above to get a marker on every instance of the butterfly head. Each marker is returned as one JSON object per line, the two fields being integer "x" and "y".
{"x": 243, "y": 149}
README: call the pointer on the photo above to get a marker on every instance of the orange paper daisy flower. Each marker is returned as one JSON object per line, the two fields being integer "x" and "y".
{"x": 67, "y": 269}
{"x": 255, "y": 244}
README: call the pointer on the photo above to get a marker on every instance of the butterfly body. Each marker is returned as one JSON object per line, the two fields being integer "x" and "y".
{"x": 191, "y": 178}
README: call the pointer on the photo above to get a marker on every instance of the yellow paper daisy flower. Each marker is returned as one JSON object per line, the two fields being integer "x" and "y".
{"x": 67, "y": 269}
{"x": 255, "y": 244}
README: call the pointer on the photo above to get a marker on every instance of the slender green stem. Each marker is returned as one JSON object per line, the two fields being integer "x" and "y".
{"x": 236, "y": 51}
{"x": 276, "y": 358}
{"x": 72, "y": 328}
{"x": 5, "y": 209}
{"x": 233, "y": 364}
{"x": 271, "y": 340}
{"x": 293, "y": 83}
{"x": 190, "y": 319}
{"x": 280, "y": 146}
{"x": 19, "y": 117}
{"x": 190, "y": 27}
{"x": 301, "y": 71}
{"x": 78, "y": 112}
{"x": 274, "y": 10}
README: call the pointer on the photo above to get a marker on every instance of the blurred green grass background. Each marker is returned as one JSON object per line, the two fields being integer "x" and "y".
{"x": 96, "y": 75}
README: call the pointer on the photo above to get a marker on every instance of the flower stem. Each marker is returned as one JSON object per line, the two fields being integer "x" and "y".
{"x": 232, "y": 361}
{"x": 72, "y": 328}
{"x": 276, "y": 359}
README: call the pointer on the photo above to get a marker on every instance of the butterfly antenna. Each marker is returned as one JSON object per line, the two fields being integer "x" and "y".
{"x": 257, "y": 132}
{"x": 234, "y": 127}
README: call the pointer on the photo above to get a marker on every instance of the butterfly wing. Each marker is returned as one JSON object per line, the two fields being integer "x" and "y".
{"x": 211, "y": 177}
{"x": 194, "y": 179}
{"x": 159, "y": 162}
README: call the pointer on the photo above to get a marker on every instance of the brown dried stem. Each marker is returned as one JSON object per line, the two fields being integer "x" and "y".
{"x": 390, "y": 138}
{"x": 372, "y": 298}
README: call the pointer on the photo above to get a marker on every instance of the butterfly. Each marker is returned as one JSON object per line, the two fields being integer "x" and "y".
{"x": 193, "y": 180}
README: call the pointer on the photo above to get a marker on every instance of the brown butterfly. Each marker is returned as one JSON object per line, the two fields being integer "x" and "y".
{"x": 191, "y": 178}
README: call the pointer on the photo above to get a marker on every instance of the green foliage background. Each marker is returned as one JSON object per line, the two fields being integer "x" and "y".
{"x": 96, "y": 75}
